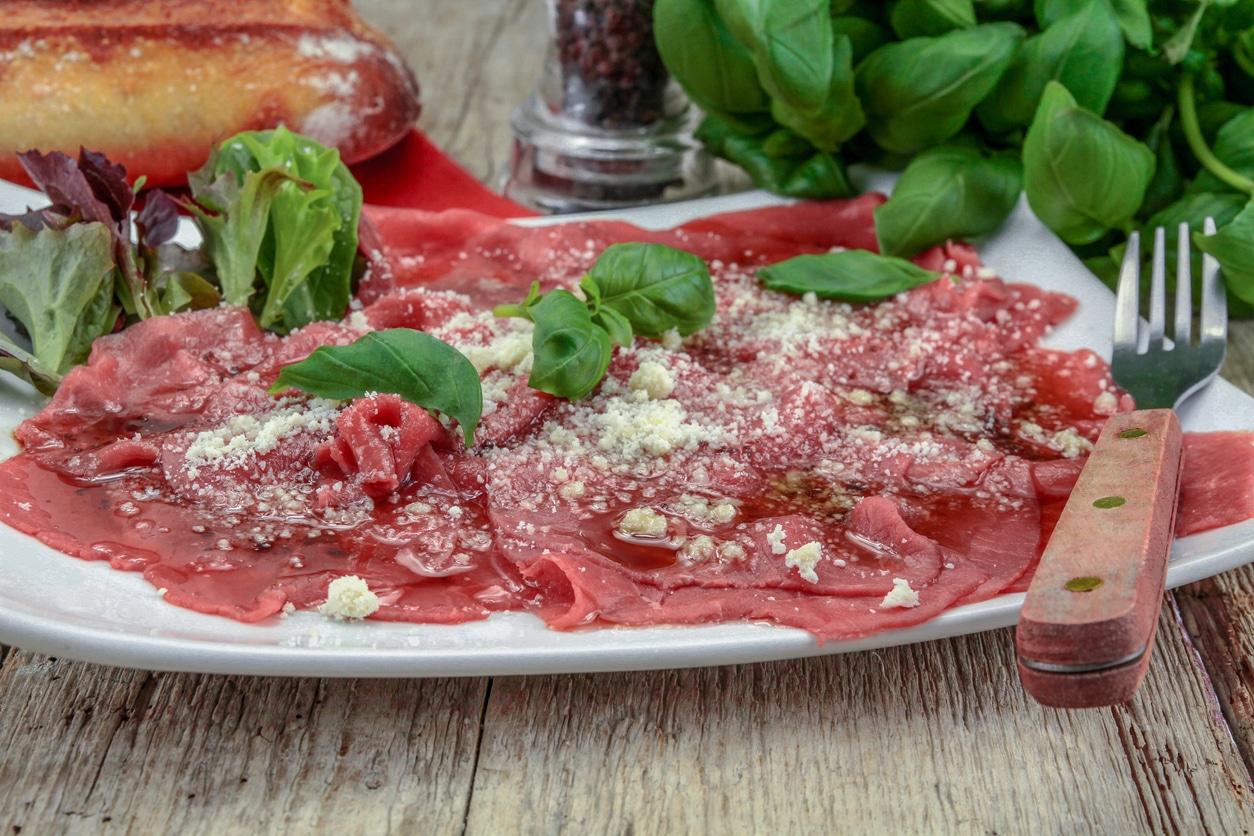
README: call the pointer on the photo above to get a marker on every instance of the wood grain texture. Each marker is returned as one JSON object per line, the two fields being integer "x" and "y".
{"x": 85, "y": 745}
{"x": 930, "y": 738}
{"x": 475, "y": 62}
{"x": 1219, "y": 615}
{"x": 1238, "y": 365}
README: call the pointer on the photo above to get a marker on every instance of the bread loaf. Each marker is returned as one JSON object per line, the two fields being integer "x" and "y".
{"x": 153, "y": 84}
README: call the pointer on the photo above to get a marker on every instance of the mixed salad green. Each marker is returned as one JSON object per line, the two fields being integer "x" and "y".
{"x": 1111, "y": 115}
{"x": 278, "y": 216}
{"x": 277, "y": 212}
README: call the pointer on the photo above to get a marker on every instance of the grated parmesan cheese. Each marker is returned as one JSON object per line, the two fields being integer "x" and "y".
{"x": 642, "y": 522}
{"x": 804, "y": 559}
{"x": 654, "y": 379}
{"x": 776, "y": 539}
{"x": 349, "y": 599}
{"x": 244, "y": 437}
{"x": 901, "y": 595}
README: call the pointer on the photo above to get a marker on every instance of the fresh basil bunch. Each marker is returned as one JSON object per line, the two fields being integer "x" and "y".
{"x": 1111, "y": 115}
{"x": 632, "y": 289}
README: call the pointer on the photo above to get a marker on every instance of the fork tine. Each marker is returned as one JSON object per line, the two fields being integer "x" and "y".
{"x": 1214, "y": 297}
{"x": 1128, "y": 294}
{"x": 1184, "y": 289}
{"x": 1158, "y": 288}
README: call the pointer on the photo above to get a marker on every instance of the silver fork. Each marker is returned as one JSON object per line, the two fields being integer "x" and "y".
{"x": 1161, "y": 376}
{"x": 1086, "y": 630}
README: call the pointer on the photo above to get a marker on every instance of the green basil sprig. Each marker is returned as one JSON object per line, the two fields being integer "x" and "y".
{"x": 636, "y": 288}
{"x": 923, "y": 18}
{"x": 1083, "y": 176}
{"x": 1173, "y": 75}
{"x": 850, "y": 275}
{"x": 1082, "y": 49}
{"x": 919, "y": 93}
{"x": 401, "y": 361}
{"x": 952, "y": 191}
{"x": 1231, "y": 246}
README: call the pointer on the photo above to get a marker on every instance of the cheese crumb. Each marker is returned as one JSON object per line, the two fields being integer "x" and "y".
{"x": 776, "y": 539}
{"x": 348, "y": 598}
{"x": 901, "y": 595}
{"x": 698, "y": 549}
{"x": 642, "y": 522}
{"x": 1106, "y": 403}
{"x": 805, "y": 558}
{"x": 243, "y": 437}
{"x": 653, "y": 379}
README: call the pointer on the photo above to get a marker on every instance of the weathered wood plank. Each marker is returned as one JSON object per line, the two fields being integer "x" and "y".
{"x": 1239, "y": 362}
{"x": 475, "y": 62}
{"x": 84, "y": 745}
{"x": 932, "y": 738}
{"x": 1219, "y": 615}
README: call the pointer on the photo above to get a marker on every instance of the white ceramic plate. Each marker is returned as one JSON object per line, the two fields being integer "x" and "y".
{"x": 59, "y": 605}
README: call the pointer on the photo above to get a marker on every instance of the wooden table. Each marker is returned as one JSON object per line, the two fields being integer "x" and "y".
{"x": 937, "y": 737}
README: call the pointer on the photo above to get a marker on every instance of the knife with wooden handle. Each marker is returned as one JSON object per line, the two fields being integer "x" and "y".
{"x": 1086, "y": 630}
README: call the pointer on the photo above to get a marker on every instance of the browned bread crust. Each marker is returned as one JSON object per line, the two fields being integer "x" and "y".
{"x": 155, "y": 83}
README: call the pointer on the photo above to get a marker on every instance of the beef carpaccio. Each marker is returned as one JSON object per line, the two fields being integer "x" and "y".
{"x": 843, "y": 469}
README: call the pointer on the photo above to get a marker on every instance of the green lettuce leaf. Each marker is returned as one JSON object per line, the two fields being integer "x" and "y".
{"x": 59, "y": 284}
{"x": 282, "y": 209}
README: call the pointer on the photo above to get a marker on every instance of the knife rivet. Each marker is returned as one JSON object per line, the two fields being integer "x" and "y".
{"x": 1109, "y": 502}
{"x": 1083, "y": 584}
{"x": 1134, "y": 433}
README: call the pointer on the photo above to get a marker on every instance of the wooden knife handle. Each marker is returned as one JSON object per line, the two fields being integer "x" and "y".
{"x": 1087, "y": 626}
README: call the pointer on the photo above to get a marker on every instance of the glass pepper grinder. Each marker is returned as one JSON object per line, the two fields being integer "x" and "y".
{"x": 607, "y": 127}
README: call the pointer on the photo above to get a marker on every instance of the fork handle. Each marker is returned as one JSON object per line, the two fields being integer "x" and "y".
{"x": 1087, "y": 625}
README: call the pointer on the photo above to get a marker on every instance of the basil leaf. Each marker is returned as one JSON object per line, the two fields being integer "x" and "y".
{"x": 1191, "y": 209}
{"x": 412, "y": 364}
{"x": 572, "y": 353}
{"x": 953, "y": 191}
{"x": 851, "y": 275}
{"x": 697, "y": 48}
{"x": 1083, "y": 50}
{"x": 805, "y": 172}
{"x": 865, "y": 36}
{"x": 617, "y": 326}
{"x": 59, "y": 284}
{"x": 840, "y": 114}
{"x": 1233, "y": 245}
{"x": 1134, "y": 20}
{"x": 988, "y": 10}
{"x": 1083, "y": 176}
{"x": 1194, "y": 209}
{"x": 790, "y": 41}
{"x": 920, "y": 92}
{"x": 1234, "y": 146}
{"x": 654, "y": 287}
{"x": 916, "y": 18}
{"x": 1167, "y": 184}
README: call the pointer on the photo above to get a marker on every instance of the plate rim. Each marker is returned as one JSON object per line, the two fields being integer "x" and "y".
{"x": 308, "y": 645}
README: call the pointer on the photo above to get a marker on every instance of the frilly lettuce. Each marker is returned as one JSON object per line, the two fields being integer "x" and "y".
{"x": 278, "y": 216}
